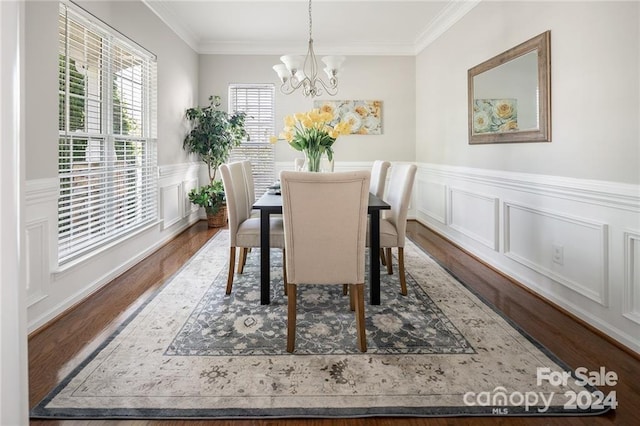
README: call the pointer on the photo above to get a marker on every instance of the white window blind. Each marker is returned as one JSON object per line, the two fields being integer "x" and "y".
{"x": 107, "y": 164}
{"x": 257, "y": 101}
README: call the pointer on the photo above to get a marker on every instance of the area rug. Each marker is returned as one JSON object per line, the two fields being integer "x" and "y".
{"x": 193, "y": 352}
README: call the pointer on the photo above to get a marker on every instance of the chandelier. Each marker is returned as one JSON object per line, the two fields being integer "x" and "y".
{"x": 301, "y": 72}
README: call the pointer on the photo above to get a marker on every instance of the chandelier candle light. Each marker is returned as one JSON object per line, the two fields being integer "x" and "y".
{"x": 297, "y": 71}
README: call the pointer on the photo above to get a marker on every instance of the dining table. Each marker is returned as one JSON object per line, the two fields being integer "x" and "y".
{"x": 271, "y": 203}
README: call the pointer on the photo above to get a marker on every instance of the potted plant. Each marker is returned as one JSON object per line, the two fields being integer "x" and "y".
{"x": 213, "y": 135}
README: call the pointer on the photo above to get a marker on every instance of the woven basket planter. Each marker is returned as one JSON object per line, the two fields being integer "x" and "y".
{"x": 219, "y": 219}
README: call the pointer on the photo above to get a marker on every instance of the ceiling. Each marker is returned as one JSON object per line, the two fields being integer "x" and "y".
{"x": 348, "y": 27}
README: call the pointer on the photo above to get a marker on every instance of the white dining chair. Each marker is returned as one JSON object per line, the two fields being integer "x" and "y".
{"x": 393, "y": 225}
{"x": 251, "y": 191}
{"x": 325, "y": 227}
{"x": 244, "y": 231}
{"x": 379, "y": 177}
{"x": 377, "y": 185}
{"x": 248, "y": 174}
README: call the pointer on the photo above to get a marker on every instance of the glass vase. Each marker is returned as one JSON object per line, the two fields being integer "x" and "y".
{"x": 316, "y": 162}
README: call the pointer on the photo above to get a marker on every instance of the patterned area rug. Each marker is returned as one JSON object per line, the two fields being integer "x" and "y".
{"x": 193, "y": 352}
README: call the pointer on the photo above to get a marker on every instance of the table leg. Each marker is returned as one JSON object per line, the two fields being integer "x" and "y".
{"x": 265, "y": 275}
{"x": 374, "y": 257}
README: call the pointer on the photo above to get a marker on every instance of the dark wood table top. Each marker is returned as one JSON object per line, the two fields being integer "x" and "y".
{"x": 273, "y": 203}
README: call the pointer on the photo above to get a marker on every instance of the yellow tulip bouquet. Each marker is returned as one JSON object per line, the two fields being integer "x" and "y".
{"x": 312, "y": 133}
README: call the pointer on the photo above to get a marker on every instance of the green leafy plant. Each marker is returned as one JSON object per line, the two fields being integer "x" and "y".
{"x": 211, "y": 197}
{"x": 213, "y": 135}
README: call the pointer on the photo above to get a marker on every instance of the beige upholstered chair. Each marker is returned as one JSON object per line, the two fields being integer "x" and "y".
{"x": 378, "y": 177}
{"x": 251, "y": 199}
{"x": 376, "y": 187}
{"x": 393, "y": 225}
{"x": 325, "y": 227}
{"x": 244, "y": 231}
{"x": 251, "y": 190}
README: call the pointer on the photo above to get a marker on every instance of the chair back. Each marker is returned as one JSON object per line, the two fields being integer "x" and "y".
{"x": 251, "y": 189}
{"x": 399, "y": 197}
{"x": 248, "y": 174}
{"x": 325, "y": 226}
{"x": 235, "y": 189}
{"x": 378, "y": 177}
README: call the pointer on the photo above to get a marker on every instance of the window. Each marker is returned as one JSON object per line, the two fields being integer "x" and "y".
{"x": 107, "y": 128}
{"x": 257, "y": 100}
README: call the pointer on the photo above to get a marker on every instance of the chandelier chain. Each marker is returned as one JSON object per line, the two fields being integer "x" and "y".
{"x": 310, "y": 21}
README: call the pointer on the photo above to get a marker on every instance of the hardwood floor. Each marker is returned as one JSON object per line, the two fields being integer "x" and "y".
{"x": 58, "y": 348}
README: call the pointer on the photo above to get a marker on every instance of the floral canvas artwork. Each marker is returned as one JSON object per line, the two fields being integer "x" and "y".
{"x": 364, "y": 117}
{"x": 495, "y": 115}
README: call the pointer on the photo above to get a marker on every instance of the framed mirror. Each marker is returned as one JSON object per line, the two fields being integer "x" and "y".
{"x": 510, "y": 95}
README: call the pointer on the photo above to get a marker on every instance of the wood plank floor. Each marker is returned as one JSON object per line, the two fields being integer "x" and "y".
{"x": 58, "y": 348}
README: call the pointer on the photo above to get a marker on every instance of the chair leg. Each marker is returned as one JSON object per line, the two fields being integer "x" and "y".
{"x": 232, "y": 264}
{"x": 352, "y": 297}
{"x": 383, "y": 260}
{"x": 358, "y": 294}
{"x": 284, "y": 271}
{"x": 389, "y": 261}
{"x": 243, "y": 259}
{"x": 345, "y": 289}
{"x": 291, "y": 317}
{"x": 403, "y": 281}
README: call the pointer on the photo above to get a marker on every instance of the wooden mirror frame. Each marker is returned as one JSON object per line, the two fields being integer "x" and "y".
{"x": 541, "y": 44}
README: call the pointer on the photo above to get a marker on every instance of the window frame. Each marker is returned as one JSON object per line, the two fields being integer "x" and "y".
{"x": 257, "y": 149}
{"x": 108, "y": 187}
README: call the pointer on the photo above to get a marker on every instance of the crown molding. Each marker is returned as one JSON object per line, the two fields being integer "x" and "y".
{"x": 451, "y": 14}
{"x": 280, "y": 48}
{"x": 166, "y": 15}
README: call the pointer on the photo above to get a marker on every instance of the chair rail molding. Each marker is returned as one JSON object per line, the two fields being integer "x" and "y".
{"x": 575, "y": 242}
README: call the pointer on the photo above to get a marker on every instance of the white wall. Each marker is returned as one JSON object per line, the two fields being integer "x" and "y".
{"x": 385, "y": 78}
{"x": 515, "y": 205}
{"x": 594, "y": 95}
{"x": 14, "y": 396}
{"x": 51, "y": 289}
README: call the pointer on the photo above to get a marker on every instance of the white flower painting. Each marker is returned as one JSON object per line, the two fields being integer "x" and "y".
{"x": 364, "y": 117}
{"x": 495, "y": 115}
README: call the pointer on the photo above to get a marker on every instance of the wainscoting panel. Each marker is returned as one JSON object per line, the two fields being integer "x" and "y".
{"x": 433, "y": 200}
{"x": 187, "y": 186}
{"x": 37, "y": 261}
{"x": 172, "y": 206}
{"x": 570, "y": 251}
{"x": 40, "y": 237}
{"x": 474, "y": 215}
{"x": 574, "y": 242}
{"x": 632, "y": 276}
